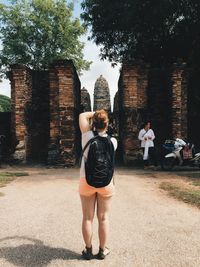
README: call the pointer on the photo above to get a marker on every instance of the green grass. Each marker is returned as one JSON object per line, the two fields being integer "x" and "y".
{"x": 194, "y": 175}
{"x": 196, "y": 182}
{"x": 10, "y": 175}
{"x": 188, "y": 195}
{"x": 7, "y": 177}
{"x": 19, "y": 173}
{"x": 168, "y": 186}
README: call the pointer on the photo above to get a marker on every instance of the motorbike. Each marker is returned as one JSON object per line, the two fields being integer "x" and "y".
{"x": 179, "y": 153}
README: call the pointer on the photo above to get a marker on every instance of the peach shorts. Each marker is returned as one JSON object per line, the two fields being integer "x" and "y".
{"x": 86, "y": 190}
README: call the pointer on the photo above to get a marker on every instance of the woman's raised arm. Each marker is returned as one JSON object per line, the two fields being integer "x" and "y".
{"x": 84, "y": 121}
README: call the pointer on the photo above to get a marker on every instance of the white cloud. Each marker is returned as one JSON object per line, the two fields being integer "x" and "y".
{"x": 5, "y": 87}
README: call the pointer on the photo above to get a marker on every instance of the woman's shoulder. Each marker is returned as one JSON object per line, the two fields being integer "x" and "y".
{"x": 86, "y": 136}
{"x": 88, "y": 133}
{"x": 114, "y": 141}
{"x": 142, "y": 130}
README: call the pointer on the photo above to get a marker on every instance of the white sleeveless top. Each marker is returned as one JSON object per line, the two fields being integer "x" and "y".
{"x": 85, "y": 138}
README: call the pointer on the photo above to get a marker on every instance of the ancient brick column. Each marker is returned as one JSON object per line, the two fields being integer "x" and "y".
{"x": 116, "y": 112}
{"x": 159, "y": 103}
{"x": 179, "y": 101}
{"x": 21, "y": 93}
{"x": 38, "y": 123}
{"x": 85, "y": 100}
{"x": 65, "y": 103}
{"x": 132, "y": 105}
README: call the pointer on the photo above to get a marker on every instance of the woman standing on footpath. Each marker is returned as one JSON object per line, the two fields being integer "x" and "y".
{"x": 146, "y": 136}
{"x": 92, "y": 196}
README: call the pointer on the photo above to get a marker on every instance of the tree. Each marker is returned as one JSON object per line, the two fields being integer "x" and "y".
{"x": 5, "y": 103}
{"x": 36, "y": 32}
{"x": 157, "y": 31}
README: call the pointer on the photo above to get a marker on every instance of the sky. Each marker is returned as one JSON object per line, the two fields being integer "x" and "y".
{"x": 98, "y": 67}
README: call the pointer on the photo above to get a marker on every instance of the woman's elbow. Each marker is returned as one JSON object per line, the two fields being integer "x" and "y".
{"x": 81, "y": 115}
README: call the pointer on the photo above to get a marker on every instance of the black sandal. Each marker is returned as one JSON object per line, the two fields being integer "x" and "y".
{"x": 103, "y": 253}
{"x": 87, "y": 253}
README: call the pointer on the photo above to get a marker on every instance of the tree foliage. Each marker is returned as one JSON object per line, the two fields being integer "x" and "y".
{"x": 5, "y": 103}
{"x": 157, "y": 31}
{"x": 36, "y": 32}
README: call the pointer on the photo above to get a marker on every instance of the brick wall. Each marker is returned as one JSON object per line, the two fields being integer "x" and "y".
{"x": 45, "y": 110}
{"x": 132, "y": 105}
{"x": 5, "y": 130}
{"x": 179, "y": 101}
{"x": 38, "y": 118}
{"x": 65, "y": 102}
{"x": 46, "y": 105}
{"x": 21, "y": 97}
{"x": 159, "y": 95}
{"x": 194, "y": 106}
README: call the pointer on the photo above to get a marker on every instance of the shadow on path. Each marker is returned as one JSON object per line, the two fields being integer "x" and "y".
{"x": 35, "y": 254}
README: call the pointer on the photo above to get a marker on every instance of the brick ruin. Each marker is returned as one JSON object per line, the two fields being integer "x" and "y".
{"x": 132, "y": 103}
{"x": 46, "y": 106}
{"x": 193, "y": 104}
{"x": 155, "y": 94}
{"x": 45, "y": 110}
{"x": 5, "y": 135}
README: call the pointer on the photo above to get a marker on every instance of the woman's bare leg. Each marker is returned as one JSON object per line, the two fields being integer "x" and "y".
{"x": 88, "y": 208}
{"x": 103, "y": 207}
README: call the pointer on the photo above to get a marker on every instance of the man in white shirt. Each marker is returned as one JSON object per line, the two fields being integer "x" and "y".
{"x": 146, "y": 136}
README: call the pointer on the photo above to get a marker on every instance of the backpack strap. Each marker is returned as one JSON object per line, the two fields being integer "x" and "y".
{"x": 83, "y": 150}
{"x": 145, "y": 133}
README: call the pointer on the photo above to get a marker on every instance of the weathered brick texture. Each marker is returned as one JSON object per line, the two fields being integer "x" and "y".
{"x": 45, "y": 110}
{"x": 158, "y": 95}
{"x": 37, "y": 116}
{"x": 65, "y": 102}
{"x": 21, "y": 97}
{"x": 179, "y": 101}
{"x": 5, "y": 135}
{"x": 132, "y": 96}
{"x": 46, "y": 106}
{"x": 193, "y": 106}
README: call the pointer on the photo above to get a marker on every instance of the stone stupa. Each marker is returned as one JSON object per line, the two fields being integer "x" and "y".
{"x": 102, "y": 95}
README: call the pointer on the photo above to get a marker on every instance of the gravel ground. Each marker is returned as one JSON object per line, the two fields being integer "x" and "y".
{"x": 40, "y": 218}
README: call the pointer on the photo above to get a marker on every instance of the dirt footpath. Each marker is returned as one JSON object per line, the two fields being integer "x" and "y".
{"x": 40, "y": 223}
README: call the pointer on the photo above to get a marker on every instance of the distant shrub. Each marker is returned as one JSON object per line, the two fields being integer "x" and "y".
{"x": 5, "y": 103}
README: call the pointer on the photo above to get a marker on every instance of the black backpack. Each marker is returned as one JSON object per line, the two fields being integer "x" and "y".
{"x": 99, "y": 167}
